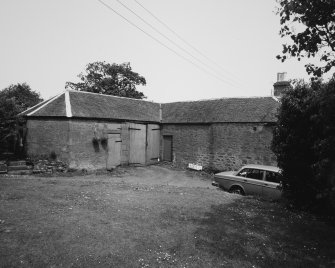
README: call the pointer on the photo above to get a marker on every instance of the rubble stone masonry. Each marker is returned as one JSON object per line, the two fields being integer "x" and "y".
{"x": 217, "y": 146}
{"x": 221, "y": 146}
{"x": 83, "y": 154}
{"x": 70, "y": 140}
{"x": 45, "y": 136}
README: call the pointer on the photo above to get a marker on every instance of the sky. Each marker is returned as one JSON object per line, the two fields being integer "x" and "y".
{"x": 47, "y": 43}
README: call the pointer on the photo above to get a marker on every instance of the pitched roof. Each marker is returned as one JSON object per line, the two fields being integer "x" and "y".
{"x": 257, "y": 109}
{"x": 80, "y": 104}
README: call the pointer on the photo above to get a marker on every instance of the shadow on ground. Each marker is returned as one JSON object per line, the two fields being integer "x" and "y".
{"x": 255, "y": 233}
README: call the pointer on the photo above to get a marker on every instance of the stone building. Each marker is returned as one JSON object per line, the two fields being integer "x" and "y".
{"x": 219, "y": 134}
{"x": 91, "y": 131}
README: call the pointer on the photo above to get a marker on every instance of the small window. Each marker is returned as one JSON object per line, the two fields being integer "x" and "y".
{"x": 251, "y": 173}
{"x": 273, "y": 177}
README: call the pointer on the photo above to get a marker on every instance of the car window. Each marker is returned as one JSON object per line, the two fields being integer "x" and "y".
{"x": 251, "y": 173}
{"x": 255, "y": 174}
{"x": 243, "y": 172}
{"x": 273, "y": 176}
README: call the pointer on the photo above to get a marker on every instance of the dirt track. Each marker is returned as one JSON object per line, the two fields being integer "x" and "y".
{"x": 159, "y": 175}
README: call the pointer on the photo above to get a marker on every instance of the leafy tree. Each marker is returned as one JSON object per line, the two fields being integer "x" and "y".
{"x": 315, "y": 20}
{"x": 14, "y": 100}
{"x": 304, "y": 142}
{"x": 111, "y": 79}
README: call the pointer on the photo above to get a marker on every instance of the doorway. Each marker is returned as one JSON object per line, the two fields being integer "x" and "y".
{"x": 167, "y": 148}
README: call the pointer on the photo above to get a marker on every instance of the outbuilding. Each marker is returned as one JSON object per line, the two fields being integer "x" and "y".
{"x": 219, "y": 134}
{"x": 91, "y": 131}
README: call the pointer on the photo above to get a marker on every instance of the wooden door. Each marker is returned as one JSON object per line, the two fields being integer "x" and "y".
{"x": 167, "y": 148}
{"x": 153, "y": 139}
{"x": 114, "y": 150}
{"x": 137, "y": 143}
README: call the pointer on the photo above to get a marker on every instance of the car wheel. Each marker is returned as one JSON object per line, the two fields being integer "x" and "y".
{"x": 236, "y": 190}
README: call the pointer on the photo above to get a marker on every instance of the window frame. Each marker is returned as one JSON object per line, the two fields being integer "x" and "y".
{"x": 262, "y": 171}
{"x": 280, "y": 176}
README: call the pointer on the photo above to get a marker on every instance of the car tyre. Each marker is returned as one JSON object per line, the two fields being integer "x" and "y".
{"x": 236, "y": 190}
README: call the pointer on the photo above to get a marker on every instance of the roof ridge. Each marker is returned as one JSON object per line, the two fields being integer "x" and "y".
{"x": 223, "y": 98}
{"x": 275, "y": 98}
{"x": 100, "y": 94}
{"x": 68, "y": 108}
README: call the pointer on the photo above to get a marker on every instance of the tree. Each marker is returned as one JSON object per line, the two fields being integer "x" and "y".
{"x": 304, "y": 142}
{"x": 14, "y": 100}
{"x": 111, "y": 79}
{"x": 315, "y": 20}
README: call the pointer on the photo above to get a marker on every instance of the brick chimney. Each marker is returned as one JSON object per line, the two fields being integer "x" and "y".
{"x": 281, "y": 85}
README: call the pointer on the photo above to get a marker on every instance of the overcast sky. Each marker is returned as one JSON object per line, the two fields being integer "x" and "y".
{"x": 47, "y": 43}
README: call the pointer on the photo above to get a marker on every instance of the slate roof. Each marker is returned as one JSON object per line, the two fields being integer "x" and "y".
{"x": 91, "y": 105}
{"x": 78, "y": 104}
{"x": 238, "y": 110}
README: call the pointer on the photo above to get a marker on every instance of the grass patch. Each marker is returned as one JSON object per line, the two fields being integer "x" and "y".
{"x": 137, "y": 220}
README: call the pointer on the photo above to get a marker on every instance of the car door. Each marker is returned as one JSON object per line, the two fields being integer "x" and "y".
{"x": 252, "y": 180}
{"x": 271, "y": 185}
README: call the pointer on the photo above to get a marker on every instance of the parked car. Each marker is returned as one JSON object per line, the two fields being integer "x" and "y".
{"x": 265, "y": 181}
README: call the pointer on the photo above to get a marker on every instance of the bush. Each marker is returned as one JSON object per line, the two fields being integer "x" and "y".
{"x": 304, "y": 142}
{"x": 53, "y": 155}
{"x": 14, "y": 100}
{"x": 104, "y": 143}
{"x": 95, "y": 142}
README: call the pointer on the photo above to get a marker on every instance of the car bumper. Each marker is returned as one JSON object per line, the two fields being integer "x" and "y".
{"x": 214, "y": 183}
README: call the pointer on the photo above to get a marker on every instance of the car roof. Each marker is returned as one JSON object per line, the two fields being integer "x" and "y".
{"x": 263, "y": 167}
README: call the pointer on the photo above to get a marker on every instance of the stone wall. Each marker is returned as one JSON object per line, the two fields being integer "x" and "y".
{"x": 83, "y": 154}
{"x": 224, "y": 146}
{"x": 45, "y": 137}
{"x": 191, "y": 143}
{"x": 235, "y": 145}
{"x": 71, "y": 141}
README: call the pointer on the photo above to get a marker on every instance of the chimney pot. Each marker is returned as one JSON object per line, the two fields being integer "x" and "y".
{"x": 281, "y": 85}
{"x": 281, "y": 77}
